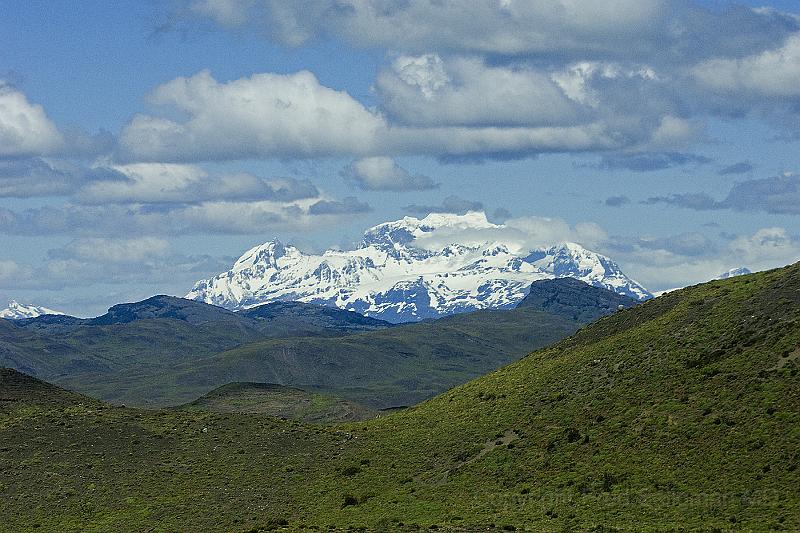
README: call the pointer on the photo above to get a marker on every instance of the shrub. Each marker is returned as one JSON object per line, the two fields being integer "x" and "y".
{"x": 351, "y": 471}
{"x": 349, "y": 499}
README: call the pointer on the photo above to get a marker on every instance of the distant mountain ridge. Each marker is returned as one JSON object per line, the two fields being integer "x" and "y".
{"x": 391, "y": 276}
{"x": 574, "y": 299}
{"x": 274, "y": 319}
{"x": 166, "y": 350}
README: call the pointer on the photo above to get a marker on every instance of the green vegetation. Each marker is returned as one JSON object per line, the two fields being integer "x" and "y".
{"x": 167, "y": 351}
{"x": 282, "y": 402}
{"x": 682, "y": 414}
{"x": 394, "y": 367}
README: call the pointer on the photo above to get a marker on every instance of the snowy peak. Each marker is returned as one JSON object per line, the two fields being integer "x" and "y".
{"x": 732, "y": 273}
{"x": 16, "y": 311}
{"x": 408, "y": 229}
{"x": 410, "y": 269}
{"x": 571, "y": 260}
{"x": 267, "y": 253}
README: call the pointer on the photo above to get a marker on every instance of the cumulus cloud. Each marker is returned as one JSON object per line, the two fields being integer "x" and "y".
{"x": 25, "y": 129}
{"x": 426, "y": 91}
{"x": 175, "y": 183}
{"x": 678, "y": 260}
{"x": 664, "y": 30}
{"x": 266, "y": 114}
{"x": 9, "y": 271}
{"x": 619, "y": 28}
{"x": 512, "y": 79}
{"x": 451, "y": 204}
{"x": 294, "y": 116}
{"x": 770, "y": 73}
{"x": 775, "y": 195}
{"x": 766, "y": 244}
{"x": 521, "y": 234}
{"x": 384, "y": 174}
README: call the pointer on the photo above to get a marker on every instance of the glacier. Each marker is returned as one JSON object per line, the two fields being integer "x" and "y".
{"x": 393, "y": 277}
{"x": 17, "y": 311}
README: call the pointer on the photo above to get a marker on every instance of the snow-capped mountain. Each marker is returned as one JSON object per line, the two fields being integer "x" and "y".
{"x": 16, "y": 311}
{"x": 393, "y": 277}
{"x": 732, "y": 273}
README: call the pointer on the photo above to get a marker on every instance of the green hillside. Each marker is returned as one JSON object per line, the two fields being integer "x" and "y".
{"x": 282, "y": 402}
{"x": 167, "y": 351}
{"x": 298, "y": 319}
{"x": 682, "y": 414}
{"x": 394, "y": 367}
{"x": 115, "y": 356}
{"x": 17, "y": 388}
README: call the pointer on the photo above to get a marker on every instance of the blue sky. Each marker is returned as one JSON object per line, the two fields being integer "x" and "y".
{"x": 145, "y": 145}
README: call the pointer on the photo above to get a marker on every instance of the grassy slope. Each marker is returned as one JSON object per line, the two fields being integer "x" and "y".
{"x": 282, "y": 402}
{"x": 399, "y": 366}
{"x": 682, "y": 414}
{"x": 91, "y": 359}
{"x": 167, "y": 361}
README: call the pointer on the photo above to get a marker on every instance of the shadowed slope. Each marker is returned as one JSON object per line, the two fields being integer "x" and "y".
{"x": 16, "y": 387}
{"x": 574, "y": 299}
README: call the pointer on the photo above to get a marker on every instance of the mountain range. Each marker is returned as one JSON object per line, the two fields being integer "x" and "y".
{"x": 410, "y": 270}
{"x": 166, "y": 350}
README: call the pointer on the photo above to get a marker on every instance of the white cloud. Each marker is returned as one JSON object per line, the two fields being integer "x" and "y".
{"x": 426, "y": 91}
{"x": 765, "y": 246}
{"x": 176, "y": 183}
{"x": 223, "y": 217}
{"x": 684, "y": 260}
{"x": 672, "y": 133}
{"x": 499, "y": 142}
{"x": 384, "y": 174}
{"x": 771, "y": 73}
{"x": 265, "y": 115}
{"x": 271, "y": 115}
{"x": 25, "y": 129}
{"x": 522, "y": 234}
{"x": 425, "y": 72}
{"x": 484, "y": 26}
{"x": 577, "y": 79}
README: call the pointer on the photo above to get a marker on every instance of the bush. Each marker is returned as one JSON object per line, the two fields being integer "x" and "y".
{"x": 351, "y": 471}
{"x": 349, "y": 499}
